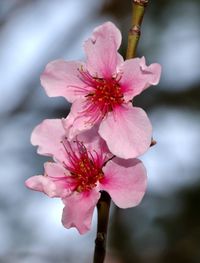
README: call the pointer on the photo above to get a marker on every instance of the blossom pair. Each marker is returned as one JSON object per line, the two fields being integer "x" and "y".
{"x": 95, "y": 147}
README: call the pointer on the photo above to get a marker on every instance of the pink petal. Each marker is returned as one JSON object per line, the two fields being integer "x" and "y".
{"x": 125, "y": 181}
{"x": 42, "y": 184}
{"x": 95, "y": 144}
{"x": 55, "y": 170}
{"x": 136, "y": 76}
{"x": 54, "y": 183}
{"x": 60, "y": 78}
{"x": 78, "y": 210}
{"x": 48, "y": 135}
{"x": 101, "y": 50}
{"x": 76, "y": 122}
{"x": 60, "y": 177}
{"x": 90, "y": 138}
{"x": 127, "y": 131}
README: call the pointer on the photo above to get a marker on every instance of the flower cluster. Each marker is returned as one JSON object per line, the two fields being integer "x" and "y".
{"x": 95, "y": 148}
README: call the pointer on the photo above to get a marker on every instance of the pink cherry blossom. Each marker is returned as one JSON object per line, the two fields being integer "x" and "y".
{"x": 101, "y": 90}
{"x": 82, "y": 168}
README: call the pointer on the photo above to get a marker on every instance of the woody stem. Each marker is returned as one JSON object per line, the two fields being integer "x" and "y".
{"x": 103, "y": 207}
{"x": 138, "y": 7}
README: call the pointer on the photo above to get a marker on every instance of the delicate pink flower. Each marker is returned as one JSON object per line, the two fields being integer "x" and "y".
{"x": 82, "y": 169}
{"x": 101, "y": 91}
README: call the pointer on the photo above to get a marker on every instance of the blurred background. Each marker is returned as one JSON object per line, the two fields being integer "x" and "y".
{"x": 165, "y": 227}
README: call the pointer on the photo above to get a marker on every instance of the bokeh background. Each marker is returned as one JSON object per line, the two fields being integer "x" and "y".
{"x": 166, "y": 226}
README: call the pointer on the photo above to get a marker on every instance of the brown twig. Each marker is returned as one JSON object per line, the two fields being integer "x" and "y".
{"x": 103, "y": 207}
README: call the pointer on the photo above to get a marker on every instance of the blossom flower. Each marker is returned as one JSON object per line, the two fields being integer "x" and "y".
{"x": 101, "y": 90}
{"x": 81, "y": 170}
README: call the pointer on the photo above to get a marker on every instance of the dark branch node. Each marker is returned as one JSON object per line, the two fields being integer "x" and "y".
{"x": 135, "y": 30}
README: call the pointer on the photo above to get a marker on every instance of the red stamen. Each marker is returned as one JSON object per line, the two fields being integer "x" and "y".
{"x": 85, "y": 168}
{"x": 105, "y": 95}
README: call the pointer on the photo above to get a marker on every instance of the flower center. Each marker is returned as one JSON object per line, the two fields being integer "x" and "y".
{"x": 107, "y": 94}
{"x": 104, "y": 95}
{"x": 85, "y": 168}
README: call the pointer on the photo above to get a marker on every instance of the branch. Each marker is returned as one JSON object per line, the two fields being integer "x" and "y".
{"x": 103, "y": 207}
{"x": 134, "y": 32}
